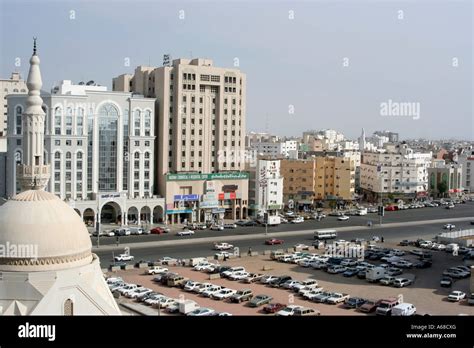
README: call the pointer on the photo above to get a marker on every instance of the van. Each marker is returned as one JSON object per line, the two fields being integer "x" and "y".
{"x": 375, "y": 274}
{"x": 325, "y": 234}
{"x": 176, "y": 280}
{"x": 403, "y": 309}
{"x": 386, "y": 305}
{"x": 274, "y": 255}
{"x": 302, "y": 311}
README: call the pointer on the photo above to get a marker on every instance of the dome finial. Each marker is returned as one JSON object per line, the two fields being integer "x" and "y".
{"x": 34, "y": 45}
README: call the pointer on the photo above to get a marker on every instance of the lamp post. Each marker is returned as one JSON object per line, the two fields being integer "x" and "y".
{"x": 97, "y": 223}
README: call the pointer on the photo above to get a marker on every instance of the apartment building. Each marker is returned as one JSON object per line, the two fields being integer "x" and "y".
{"x": 200, "y": 130}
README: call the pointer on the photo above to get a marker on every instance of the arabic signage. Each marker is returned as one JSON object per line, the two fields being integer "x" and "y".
{"x": 186, "y": 198}
{"x": 212, "y": 176}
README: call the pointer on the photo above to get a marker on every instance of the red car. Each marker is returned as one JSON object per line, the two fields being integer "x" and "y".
{"x": 273, "y": 241}
{"x": 159, "y": 230}
{"x": 273, "y": 307}
{"x": 391, "y": 208}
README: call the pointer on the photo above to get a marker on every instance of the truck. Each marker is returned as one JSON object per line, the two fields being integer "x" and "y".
{"x": 187, "y": 306}
{"x": 373, "y": 275}
{"x": 404, "y": 309}
{"x": 337, "y": 297}
{"x": 386, "y": 305}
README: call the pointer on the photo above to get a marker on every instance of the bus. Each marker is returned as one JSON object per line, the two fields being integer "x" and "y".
{"x": 325, "y": 234}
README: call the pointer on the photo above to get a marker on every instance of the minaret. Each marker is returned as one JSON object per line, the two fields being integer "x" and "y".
{"x": 33, "y": 173}
{"x": 362, "y": 141}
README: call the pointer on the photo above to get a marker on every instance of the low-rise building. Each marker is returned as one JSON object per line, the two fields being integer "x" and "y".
{"x": 445, "y": 179}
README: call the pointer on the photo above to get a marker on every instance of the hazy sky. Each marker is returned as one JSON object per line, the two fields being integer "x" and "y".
{"x": 333, "y": 62}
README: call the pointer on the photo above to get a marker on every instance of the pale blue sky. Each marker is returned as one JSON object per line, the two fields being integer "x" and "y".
{"x": 288, "y": 62}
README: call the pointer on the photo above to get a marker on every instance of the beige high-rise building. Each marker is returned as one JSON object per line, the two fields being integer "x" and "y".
{"x": 200, "y": 132}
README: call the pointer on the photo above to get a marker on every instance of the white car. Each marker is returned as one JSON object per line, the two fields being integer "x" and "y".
{"x": 166, "y": 259}
{"x": 140, "y": 292}
{"x": 456, "y": 296}
{"x": 449, "y": 227}
{"x": 157, "y": 269}
{"x": 223, "y": 246}
{"x": 165, "y": 302}
{"x": 211, "y": 290}
{"x": 185, "y": 233}
{"x": 239, "y": 275}
{"x": 337, "y": 298}
{"x": 310, "y": 294}
{"x": 267, "y": 279}
{"x": 123, "y": 257}
{"x": 288, "y": 311}
{"x": 154, "y": 299}
{"x": 128, "y": 288}
{"x": 289, "y": 284}
{"x": 305, "y": 285}
{"x": 223, "y": 294}
{"x": 297, "y": 220}
{"x": 191, "y": 286}
{"x": 202, "y": 287}
{"x": 224, "y": 254}
{"x": 202, "y": 266}
{"x": 217, "y": 228}
{"x": 343, "y": 218}
{"x": 402, "y": 264}
{"x": 200, "y": 312}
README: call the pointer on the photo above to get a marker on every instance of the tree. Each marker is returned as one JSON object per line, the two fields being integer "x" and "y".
{"x": 442, "y": 188}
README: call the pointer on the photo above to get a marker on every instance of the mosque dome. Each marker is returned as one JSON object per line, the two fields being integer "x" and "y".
{"x": 40, "y": 232}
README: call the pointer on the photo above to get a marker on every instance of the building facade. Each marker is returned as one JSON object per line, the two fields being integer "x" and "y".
{"x": 101, "y": 146}
{"x": 200, "y": 129}
{"x": 267, "y": 185}
{"x": 467, "y": 161}
{"x": 445, "y": 180}
{"x": 397, "y": 171}
{"x": 14, "y": 85}
{"x": 318, "y": 179}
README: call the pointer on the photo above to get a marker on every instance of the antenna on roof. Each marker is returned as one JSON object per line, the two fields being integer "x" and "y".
{"x": 34, "y": 45}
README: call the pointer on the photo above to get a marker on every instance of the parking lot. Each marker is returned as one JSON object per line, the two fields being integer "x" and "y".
{"x": 425, "y": 293}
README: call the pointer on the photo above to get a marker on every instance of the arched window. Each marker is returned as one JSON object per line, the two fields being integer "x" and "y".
{"x": 136, "y": 122}
{"x": 15, "y": 90}
{"x": 68, "y": 155}
{"x": 45, "y": 110}
{"x": 108, "y": 129}
{"x": 69, "y": 121}
{"x": 18, "y": 158}
{"x": 137, "y": 155}
{"x": 80, "y": 121}
{"x": 18, "y": 119}
{"x": 68, "y": 307}
{"x": 147, "y": 123}
{"x": 23, "y": 90}
{"x": 57, "y": 173}
{"x": 58, "y": 115}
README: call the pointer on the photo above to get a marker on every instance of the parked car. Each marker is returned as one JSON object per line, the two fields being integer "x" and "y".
{"x": 273, "y": 307}
{"x": 217, "y": 227}
{"x": 211, "y": 290}
{"x": 242, "y": 295}
{"x": 252, "y": 278}
{"x": 386, "y": 305}
{"x": 404, "y": 309}
{"x": 446, "y": 281}
{"x": 260, "y": 300}
{"x": 343, "y": 218}
{"x": 470, "y": 299}
{"x": 402, "y": 282}
{"x": 200, "y": 312}
{"x": 449, "y": 227}
{"x": 456, "y": 296}
{"x": 337, "y": 297}
{"x": 278, "y": 282}
{"x": 322, "y": 297}
{"x": 157, "y": 269}
{"x": 231, "y": 226}
{"x": 369, "y": 306}
{"x": 288, "y": 311}
{"x": 223, "y": 294}
{"x": 159, "y": 230}
{"x": 354, "y": 302}
{"x": 191, "y": 285}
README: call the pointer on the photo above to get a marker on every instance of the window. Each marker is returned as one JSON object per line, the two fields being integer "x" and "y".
{"x": 80, "y": 121}
{"x": 79, "y": 143}
{"x": 147, "y": 123}
{"x": 136, "y": 122}
{"x": 147, "y": 143}
{"x": 68, "y": 142}
{"x": 137, "y": 143}
{"x": 69, "y": 121}
{"x": 57, "y": 121}
{"x": 18, "y": 119}
{"x": 57, "y": 142}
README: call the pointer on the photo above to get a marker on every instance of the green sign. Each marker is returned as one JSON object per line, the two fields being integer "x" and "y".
{"x": 213, "y": 176}
{"x": 274, "y": 206}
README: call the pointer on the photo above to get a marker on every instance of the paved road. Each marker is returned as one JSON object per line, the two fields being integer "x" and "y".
{"x": 204, "y": 247}
{"x": 461, "y": 210}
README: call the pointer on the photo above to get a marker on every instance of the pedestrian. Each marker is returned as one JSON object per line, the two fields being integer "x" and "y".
{"x": 117, "y": 239}
{"x": 381, "y": 239}
{"x": 249, "y": 253}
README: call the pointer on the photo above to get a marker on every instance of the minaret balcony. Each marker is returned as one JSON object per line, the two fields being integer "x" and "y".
{"x": 33, "y": 177}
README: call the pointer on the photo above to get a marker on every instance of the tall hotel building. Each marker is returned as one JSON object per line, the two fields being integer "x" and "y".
{"x": 200, "y": 135}
{"x": 101, "y": 148}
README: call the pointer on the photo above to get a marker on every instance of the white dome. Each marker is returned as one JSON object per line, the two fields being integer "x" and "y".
{"x": 50, "y": 234}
